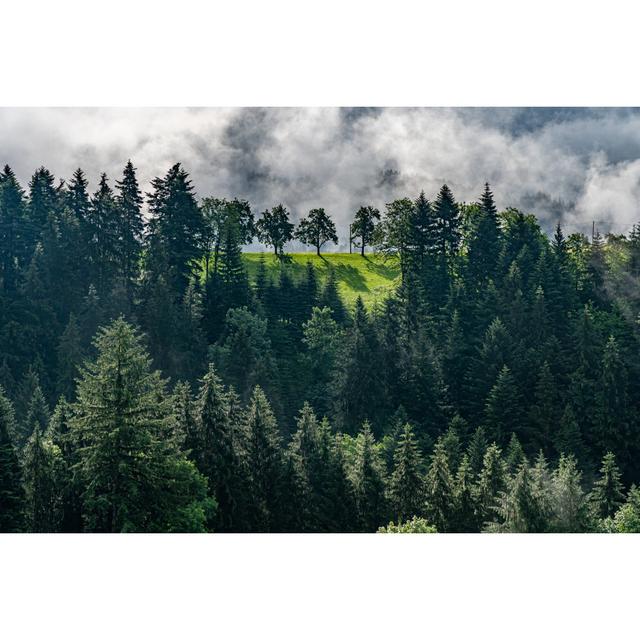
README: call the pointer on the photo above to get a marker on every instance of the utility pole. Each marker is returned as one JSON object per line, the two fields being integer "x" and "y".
{"x": 350, "y": 238}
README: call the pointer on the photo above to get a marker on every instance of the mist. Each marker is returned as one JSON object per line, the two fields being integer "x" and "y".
{"x": 563, "y": 164}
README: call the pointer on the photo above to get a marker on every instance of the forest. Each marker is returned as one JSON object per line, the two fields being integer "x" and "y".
{"x": 153, "y": 379}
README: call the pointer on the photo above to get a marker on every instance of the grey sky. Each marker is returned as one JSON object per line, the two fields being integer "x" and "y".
{"x": 577, "y": 165}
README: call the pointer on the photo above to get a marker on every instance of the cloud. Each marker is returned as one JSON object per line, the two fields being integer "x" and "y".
{"x": 576, "y": 165}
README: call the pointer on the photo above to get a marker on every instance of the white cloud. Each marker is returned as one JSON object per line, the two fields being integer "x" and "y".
{"x": 336, "y": 158}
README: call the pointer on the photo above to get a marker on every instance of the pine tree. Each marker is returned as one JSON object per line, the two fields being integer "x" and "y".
{"x": 491, "y": 483}
{"x": 520, "y": 507}
{"x": 214, "y": 453}
{"x": 358, "y": 386}
{"x": 13, "y": 248}
{"x": 503, "y": 409}
{"x": 447, "y": 215}
{"x": 175, "y": 228}
{"x": 607, "y": 494}
{"x": 568, "y": 437}
{"x": 484, "y": 243}
{"x": 130, "y": 228}
{"x": 42, "y": 459}
{"x": 406, "y": 485}
{"x": 11, "y": 492}
{"x": 464, "y": 494}
{"x": 544, "y": 413}
{"x": 476, "y": 450}
{"x": 265, "y": 461}
{"x": 439, "y": 489}
{"x": 570, "y": 508}
{"x": 65, "y": 447}
{"x": 514, "y": 456}
{"x": 70, "y": 354}
{"x": 331, "y": 298}
{"x": 612, "y": 412}
{"x": 135, "y": 477}
{"x": 369, "y": 482}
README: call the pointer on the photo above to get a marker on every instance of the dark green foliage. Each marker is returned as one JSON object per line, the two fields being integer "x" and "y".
{"x": 439, "y": 491}
{"x": 11, "y": 492}
{"x": 175, "y": 228}
{"x": 497, "y": 338}
{"x": 607, "y": 494}
{"x": 134, "y": 476}
{"x": 364, "y": 226}
{"x": 274, "y": 229}
{"x": 406, "y": 484}
{"x": 368, "y": 478}
{"x": 503, "y": 413}
{"x": 316, "y": 230}
{"x": 266, "y": 465}
{"x": 42, "y": 481}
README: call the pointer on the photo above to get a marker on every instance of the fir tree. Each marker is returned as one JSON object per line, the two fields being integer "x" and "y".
{"x": 11, "y": 492}
{"x": 135, "y": 477}
{"x": 406, "y": 485}
{"x": 607, "y": 494}
{"x": 439, "y": 490}
{"x": 369, "y": 482}
{"x": 214, "y": 452}
{"x": 265, "y": 460}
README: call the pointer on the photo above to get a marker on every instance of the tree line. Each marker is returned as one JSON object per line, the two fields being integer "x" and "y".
{"x": 149, "y": 385}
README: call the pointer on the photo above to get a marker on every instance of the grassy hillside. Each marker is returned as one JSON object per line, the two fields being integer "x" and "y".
{"x": 368, "y": 277}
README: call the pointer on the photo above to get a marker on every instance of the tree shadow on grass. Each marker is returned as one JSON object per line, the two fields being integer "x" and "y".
{"x": 350, "y": 276}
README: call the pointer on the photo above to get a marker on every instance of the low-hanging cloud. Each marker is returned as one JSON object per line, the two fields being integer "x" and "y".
{"x": 573, "y": 165}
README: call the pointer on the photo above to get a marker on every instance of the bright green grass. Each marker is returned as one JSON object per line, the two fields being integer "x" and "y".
{"x": 369, "y": 277}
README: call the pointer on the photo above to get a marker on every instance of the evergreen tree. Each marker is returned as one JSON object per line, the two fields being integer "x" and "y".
{"x": 439, "y": 489}
{"x": 406, "y": 485}
{"x": 265, "y": 461}
{"x": 520, "y": 507}
{"x": 503, "y": 408}
{"x": 134, "y": 475}
{"x": 607, "y": 494}
{"x": 491, "y": 483}
{"x": 358, "y": 384}
{"x": 70, "y": 354}
{"x": 331, "y": 298}
{"x": 476, "y": 450}
{"x": 464, "y": 495}
{"x": 484, "y": 243}
{"x": 175, "y": 228}
{"x": 13, "y": 245}
{"x": 570, "y": 512}
{"x": 11, "y": 492}
{"x": 44, "y": 509}
{"x": 448, "y": 223}
{"x": 130, "y": 224}
{"x": 514, "y": 456}
{"x": 369, "y": 482}
{"x": 214, "y": 453}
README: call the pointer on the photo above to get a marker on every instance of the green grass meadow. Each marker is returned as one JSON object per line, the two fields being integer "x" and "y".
{"x": 369, "y": 277}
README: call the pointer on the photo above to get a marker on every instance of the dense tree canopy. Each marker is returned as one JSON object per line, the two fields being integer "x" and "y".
{"x": 150, "y": 382}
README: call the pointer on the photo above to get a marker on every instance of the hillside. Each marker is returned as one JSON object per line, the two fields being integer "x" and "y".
{"x": 368, "y": 277}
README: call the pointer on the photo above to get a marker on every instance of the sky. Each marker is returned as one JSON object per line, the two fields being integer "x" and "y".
{"x": 574, "y": 165}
